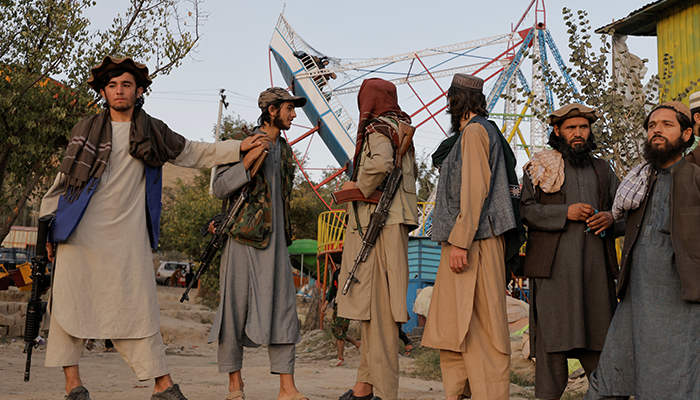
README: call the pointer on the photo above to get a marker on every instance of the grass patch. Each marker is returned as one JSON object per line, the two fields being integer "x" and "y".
{"x": 520, "y": 380}
{"x": 427, "y": 361}
{"x": 578, "y": 395}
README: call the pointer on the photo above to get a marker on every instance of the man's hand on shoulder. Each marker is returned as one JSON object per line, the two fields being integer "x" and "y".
{"x": 253, "y": 154}
{"x": 252, "y": 142}
{"x": 600, "y": 222}
{"x": 580, "y": 212}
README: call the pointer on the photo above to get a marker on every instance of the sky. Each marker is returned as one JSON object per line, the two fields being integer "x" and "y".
{"x": 233, "y": 52}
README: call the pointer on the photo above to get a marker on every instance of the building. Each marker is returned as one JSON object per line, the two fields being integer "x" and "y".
{"x": 676, "y": 24}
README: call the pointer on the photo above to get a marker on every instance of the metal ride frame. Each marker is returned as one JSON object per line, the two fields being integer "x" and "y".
{"x": 337, "y": 128}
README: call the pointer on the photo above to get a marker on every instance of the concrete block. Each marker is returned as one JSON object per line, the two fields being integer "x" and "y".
{"x": 6, "y": 320}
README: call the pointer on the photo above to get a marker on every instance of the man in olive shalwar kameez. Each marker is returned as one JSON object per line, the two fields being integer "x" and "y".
{"x": 652, "y": 349}
{"x": 571, "y": 261}
{"x": 258, "y": 301}
{"x": 379, "y": 300}
{"x": 106, "y": 201}
{"x": 467, "y": 320}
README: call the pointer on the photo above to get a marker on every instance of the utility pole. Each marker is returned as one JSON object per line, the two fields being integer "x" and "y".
{"x": 222, "y": 104}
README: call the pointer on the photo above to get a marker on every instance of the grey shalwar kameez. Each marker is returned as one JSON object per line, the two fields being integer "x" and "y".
{"x": 651, "y": 351}
{"x": 258, "y": 301}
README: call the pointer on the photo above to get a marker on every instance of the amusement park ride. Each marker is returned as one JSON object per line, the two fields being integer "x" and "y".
{"x": 331, "y": 88}
{"x": 332, "y": 102}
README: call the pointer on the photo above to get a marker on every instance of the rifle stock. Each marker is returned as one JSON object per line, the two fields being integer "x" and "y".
{"x": 34, "y": 312}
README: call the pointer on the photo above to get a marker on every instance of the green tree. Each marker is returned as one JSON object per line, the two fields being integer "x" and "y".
{"x": 426, "y": 179}
{"x": 622, "y": 102}
{"x": 42, "y": 40}
{"x": 186, "y": 208}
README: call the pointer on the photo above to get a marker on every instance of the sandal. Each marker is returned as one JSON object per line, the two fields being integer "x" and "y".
{"x": 350, "y": 396}
{"x": 299, "y": 396}
{"x": 236, "y": 395}
{"x": 409, "y": 347}
{"x": 337, "y": 362}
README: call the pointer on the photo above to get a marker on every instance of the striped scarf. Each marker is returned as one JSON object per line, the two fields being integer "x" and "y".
{"x": 90, "y": 146}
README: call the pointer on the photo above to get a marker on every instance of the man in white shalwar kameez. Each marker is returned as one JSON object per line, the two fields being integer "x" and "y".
{"x": 106, "y": 204}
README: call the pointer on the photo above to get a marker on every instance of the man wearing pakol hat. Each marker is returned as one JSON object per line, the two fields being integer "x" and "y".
{"x": 378, "y": 300}
{"x": 467, "y": 320}
{"x": 694, "y": 102}
{"x": 652, "y": 349}
{"x": 258, "y": 300}
{"x": 106, "y": 201}
{"x": 570, "y": 259}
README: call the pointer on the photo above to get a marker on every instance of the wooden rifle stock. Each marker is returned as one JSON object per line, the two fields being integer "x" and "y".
{"x": 354, "y": 194}
{"x": 406, "y": 132}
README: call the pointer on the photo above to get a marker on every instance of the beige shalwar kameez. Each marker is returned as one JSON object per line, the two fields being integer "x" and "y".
{"x": 379, "y": 300}
{"x": 103, "y": 282}
{"x": 467, "y": 320}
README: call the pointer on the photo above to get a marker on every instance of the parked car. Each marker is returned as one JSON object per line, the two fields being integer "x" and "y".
{"x": 12, "y": 257}
{"x": 166, "y": 270}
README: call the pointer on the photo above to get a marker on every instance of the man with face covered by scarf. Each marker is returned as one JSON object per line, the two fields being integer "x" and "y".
{"x": 379, "y": 300}
{"x": 570, "y": 260}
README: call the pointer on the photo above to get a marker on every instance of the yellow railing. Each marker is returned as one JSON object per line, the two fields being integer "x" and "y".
{"x": 331, "y": 231}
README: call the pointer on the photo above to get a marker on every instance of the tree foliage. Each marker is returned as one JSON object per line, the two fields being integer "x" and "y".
{"x": 622, "y": 99}
{"x": 46, "y": 51}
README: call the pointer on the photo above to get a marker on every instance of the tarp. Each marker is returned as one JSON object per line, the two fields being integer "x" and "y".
{"x": 304, "y": 249}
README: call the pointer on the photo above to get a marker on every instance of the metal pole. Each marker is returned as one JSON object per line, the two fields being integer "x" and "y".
{"x": 222, "y": 104}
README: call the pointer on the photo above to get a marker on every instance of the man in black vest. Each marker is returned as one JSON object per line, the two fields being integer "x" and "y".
{"x": 566, "y": 201}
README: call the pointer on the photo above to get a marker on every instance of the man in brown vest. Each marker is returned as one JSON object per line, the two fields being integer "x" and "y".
{"x": 570, "y": 259}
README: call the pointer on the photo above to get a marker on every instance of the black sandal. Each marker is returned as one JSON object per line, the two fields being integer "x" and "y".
{"x": 350, "y": 396}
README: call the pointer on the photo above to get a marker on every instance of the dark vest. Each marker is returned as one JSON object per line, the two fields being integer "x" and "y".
{"x": 542, "y": 246}
{"x": 497, "y": 215}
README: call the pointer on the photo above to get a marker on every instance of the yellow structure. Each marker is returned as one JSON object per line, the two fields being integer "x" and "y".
{"x": 676, "y": 24}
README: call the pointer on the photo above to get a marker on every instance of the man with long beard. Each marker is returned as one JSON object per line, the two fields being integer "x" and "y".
{"x": 570, "y": 259}
{"x": 652, "y": 350}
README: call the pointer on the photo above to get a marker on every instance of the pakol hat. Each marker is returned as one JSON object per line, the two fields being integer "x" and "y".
{"x": 694, "y": 101}
{"x": 99, "y": 73}
{"x": 277, "y": 93}
{"x": 677, "y": 106}
{"x": 571, "y": 111}
{"x": 468, "y": 82}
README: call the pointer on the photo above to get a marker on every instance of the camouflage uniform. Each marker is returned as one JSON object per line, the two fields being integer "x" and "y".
{"x": 258, "y": 302}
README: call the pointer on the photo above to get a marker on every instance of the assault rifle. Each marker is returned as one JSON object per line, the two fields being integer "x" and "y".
{"x": 380, "y": 214}
{"x": 39, "y": 284}
{"x": 219, "y": 235}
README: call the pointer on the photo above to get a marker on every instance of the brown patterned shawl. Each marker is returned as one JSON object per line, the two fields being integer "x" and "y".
{"x": 377, "y": 98}
{"x": 88, "y": 151}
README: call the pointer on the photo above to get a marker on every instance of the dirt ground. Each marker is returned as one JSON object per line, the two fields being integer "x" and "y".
{"x": 193, "y": 365}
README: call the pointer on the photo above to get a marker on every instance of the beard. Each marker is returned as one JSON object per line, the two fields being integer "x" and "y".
{"x": 279, "y": 124}
{"x": 660, "y": 155}
{"x": 121, "y": 107}
{"x": 578, "y": 155}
